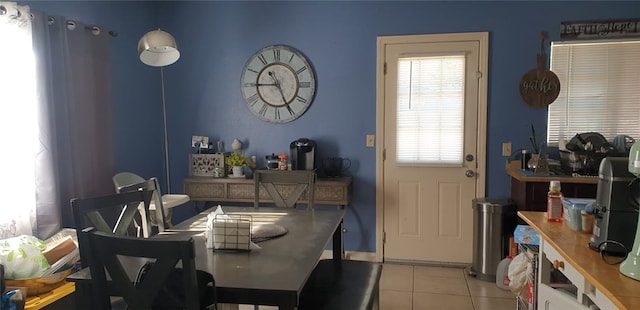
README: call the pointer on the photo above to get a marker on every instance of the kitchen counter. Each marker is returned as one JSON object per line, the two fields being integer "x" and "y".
{"x": 529, "y": 192}
{"x": 623, "y": 292}
{"x": 513, "y": 170}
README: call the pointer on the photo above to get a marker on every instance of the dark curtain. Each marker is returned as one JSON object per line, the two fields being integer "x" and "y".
{"x": 76, "y": 158}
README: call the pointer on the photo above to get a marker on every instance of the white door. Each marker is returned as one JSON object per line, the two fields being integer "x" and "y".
{"x": 434, "y": 115}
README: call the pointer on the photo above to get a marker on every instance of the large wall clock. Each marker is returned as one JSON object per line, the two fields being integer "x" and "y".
{"x": 278, "y": 84}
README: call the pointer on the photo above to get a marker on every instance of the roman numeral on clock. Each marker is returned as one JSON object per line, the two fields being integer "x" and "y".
{"x": 262, "y": 59}
{"x": 301, "y": 70}
{"x": 290, "y": 110}
{"x": 253, "y": 99}
{"x": 263, "y": 110}
{"x": 276, "y": 55}
{"x": 301, "y": 99}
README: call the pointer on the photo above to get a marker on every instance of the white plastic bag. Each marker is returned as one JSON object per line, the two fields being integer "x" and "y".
{"x": 518, "y": 270}
{"x": 22, "y": 257}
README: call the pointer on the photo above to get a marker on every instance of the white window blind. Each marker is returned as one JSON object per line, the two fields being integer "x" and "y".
{"x": 599, "y": 89}
{"x": 430, "y": 106}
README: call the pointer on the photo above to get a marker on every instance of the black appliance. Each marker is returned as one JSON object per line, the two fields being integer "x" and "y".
{"x": 303, "y": 154}
{"x": 615, "y": 216}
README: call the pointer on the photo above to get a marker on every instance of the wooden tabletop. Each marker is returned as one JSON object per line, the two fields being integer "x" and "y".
{"x": 279, "y": 269}
{"x": 623, "y": 291}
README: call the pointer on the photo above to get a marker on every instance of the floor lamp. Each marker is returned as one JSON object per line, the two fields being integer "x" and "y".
{"x": 158, "y": 49}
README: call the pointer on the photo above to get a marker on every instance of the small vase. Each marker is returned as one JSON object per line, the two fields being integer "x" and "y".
{"x": 533, "y": 162}
{"x": 237, "y": 171}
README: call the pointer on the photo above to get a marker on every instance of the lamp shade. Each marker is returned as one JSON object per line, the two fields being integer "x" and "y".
{"x": 158, "y": 48}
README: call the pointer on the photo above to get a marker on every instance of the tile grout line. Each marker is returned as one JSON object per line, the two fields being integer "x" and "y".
{"x": 466, "y": 281}
{"x": 413, "y": 284}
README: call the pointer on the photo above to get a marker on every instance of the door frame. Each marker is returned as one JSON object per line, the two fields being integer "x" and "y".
{"x": 481, "y": 152}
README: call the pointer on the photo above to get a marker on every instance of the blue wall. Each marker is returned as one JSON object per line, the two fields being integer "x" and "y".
{"x": 339, "y": 38}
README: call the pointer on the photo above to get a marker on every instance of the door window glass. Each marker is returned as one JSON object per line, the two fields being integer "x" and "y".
{"x": 430, "y": 116}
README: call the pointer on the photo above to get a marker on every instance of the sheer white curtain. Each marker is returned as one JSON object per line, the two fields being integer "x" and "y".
{"x": 18, "y": 124}
{"x": 56, "y": 126}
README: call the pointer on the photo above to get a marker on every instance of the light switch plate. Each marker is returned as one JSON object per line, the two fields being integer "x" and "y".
{"x": 371, "y": 140}
{"x": 506, "y": 149}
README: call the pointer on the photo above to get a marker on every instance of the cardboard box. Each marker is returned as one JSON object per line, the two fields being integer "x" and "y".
{"x": 525, "y": 234}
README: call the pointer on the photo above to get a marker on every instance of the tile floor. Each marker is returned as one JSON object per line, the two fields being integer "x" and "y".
{"x": 416, "y": 287}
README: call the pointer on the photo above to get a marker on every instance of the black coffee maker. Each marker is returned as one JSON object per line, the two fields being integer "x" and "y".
{"x": 303, "y": 154}
{"x": 615, "y": 217}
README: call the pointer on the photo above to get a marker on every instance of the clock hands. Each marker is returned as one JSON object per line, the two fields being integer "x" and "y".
{"x": 277, "y": 83}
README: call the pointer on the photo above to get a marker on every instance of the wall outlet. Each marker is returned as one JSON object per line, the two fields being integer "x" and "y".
{"x": 506, "y": 149}
{"x": 371, "y": 140}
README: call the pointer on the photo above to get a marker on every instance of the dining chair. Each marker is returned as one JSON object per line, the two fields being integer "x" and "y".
{"x": 169, "y": 201}
{"x": 170, "y": 281}
{"x": 154, "y": 213}
{"x": 285, "y": 187}
{"x": 113, "y": 214}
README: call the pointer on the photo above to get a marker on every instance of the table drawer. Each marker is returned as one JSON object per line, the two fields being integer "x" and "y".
{"x": 565, "y": 267}
{"x": 211, "y": 191}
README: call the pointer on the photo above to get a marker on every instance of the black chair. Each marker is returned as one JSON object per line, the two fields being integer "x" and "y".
{"x": 163, "y": 286}
{"x": 342, "y": 285}
{"x": 154, "y": 212}
{"x": 112, "y": 214}
{"x": 278, "y": 185}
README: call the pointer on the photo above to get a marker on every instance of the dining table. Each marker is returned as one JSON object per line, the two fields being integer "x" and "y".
{"x": 273, "y": 272}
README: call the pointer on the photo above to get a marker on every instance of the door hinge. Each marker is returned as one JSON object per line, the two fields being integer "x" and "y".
{"x": 384, "y": 237}
{"x": 384, "y": 69}
{"x": 478, "y": 75}
{"x": 384, "y": 154}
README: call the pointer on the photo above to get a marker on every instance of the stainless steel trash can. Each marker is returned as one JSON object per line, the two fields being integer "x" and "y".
{"x": 493, "y": 223}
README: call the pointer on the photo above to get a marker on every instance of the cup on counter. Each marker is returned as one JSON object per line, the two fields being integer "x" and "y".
{"x": 587, "y": 222}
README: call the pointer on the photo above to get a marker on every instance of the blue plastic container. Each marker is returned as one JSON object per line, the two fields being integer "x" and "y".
{"x": 572, "y": 208}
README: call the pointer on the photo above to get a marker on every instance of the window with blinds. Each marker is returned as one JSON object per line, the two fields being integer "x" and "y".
{"x": 430, "y": 113}
{"x": 599, "y": 89}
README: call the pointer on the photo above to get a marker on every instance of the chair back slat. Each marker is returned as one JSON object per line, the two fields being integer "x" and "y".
{"x": 150, "y": 185}
{"x": 127, "y": 181}
{"x": 97, "y": 212}
{"x": 274, "y": 181}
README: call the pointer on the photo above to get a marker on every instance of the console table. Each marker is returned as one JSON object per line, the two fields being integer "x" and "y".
{"x": 328, "y": 191}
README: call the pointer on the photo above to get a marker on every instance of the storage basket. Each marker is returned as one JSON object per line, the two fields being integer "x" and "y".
{"x": 232, "y": 232}
{"x": 205, "y": 164}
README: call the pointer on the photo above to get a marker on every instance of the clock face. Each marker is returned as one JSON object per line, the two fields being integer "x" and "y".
{"x": 278, "y": 84}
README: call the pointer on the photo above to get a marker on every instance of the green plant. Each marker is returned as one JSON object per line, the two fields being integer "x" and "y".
{"x": 534, "y": 141}
{"x": 236, "y": 160}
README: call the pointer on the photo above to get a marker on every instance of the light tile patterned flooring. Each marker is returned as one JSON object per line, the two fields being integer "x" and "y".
{"x": 416, "y": 287}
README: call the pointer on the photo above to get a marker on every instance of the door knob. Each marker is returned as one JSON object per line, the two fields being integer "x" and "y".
{"x": 469, "y": 173}
{"x": 469, "y": 157}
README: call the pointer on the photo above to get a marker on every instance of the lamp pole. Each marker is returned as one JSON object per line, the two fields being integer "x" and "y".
{"x": 164, "y": 127}
{"x": 158, "y": 49}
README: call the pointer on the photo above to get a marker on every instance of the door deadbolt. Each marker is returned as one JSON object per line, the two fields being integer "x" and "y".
{"x": 469, "y": 157}
{"x": 469, "y": 173}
